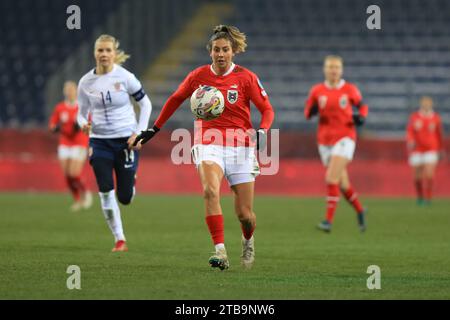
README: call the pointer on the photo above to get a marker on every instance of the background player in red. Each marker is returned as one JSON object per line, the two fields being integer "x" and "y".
{"x": 217, "y": 159}
{"x": 424, "y": 142}
{"x": 340, "y": 108}
{"x": 72, "y": 147}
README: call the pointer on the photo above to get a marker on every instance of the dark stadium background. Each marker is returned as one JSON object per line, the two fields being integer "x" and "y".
{"x": 288, "y": 39}
{"x": 165, "y": 225}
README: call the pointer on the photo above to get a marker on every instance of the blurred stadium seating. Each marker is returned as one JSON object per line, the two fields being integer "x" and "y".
{"x": 34, "y": 42}
{"x": 288, "y": 39}
{"x": 38, "y": 53}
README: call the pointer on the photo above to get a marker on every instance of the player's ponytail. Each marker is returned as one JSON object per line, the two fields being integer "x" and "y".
{"x": 121, "y": 56}
{"x": 232, "y": 34}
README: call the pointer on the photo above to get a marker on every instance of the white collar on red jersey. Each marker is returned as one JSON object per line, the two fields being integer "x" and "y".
{"x": 338, "y": 86}
{"x": 71, "y": 105}
{"x": 426, "y": 115}
{"x": 226, "y": 73}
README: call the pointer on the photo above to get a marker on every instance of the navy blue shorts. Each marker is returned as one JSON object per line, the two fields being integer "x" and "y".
{"x": 112, "y": 155}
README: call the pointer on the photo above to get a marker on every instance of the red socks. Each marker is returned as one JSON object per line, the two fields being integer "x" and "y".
{"x": 76, "y": 187}
{"x": 215, "y": 226}
{"x": 352, "y": 198}
{"x": 419, "y": 188}
{"x": 216, "y": 229}
{"x": 428, "y": 188}
{"x": 424, "y": 188}
{"x": 332, "y": 201}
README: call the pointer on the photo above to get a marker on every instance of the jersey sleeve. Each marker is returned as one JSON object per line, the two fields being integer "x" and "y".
{"x": 54, "y": 118}
{"x": 410, "y": 131}
{"x": 134, "y": 88}
{"x": 258, "y": 96}
{"x": 184, "y": 90}
{"x": 357, "y": 101}
{"x": 84, "y": 105}
{"x": 311, "y": 104}
{"x": 439, "y": 133}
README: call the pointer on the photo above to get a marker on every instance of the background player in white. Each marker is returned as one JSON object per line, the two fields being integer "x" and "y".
{"x": 106, "y": 112}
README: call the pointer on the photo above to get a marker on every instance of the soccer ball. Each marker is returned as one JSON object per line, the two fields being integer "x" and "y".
{"x": 207, "y": 103}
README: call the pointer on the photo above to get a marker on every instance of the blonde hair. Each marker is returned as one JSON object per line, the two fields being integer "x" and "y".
{"x": 333, "y": 57}
{"x": 121, "y": 56}
{"x": 237, "y": 38}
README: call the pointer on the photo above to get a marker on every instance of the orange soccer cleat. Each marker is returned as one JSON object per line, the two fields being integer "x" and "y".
{"x": 121, "y": 246}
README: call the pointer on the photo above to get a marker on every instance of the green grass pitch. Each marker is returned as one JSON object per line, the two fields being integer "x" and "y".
{"x": 170, "y": 246}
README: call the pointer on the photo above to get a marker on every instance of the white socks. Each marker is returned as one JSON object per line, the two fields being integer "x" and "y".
{"x": 219, "y": 246}
{"x": 111, "y": 212}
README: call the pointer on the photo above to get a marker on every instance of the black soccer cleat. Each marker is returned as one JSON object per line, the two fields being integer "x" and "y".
{"x": 362, "y": 220}
{"x": 324, "y": 226}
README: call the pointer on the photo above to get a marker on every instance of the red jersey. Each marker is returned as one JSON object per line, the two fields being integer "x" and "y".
{"x": 335, "y": 108}
{"x": 239, "y": 86}
{"x": 425, "y": 132}
{"x": 66, "y": 116}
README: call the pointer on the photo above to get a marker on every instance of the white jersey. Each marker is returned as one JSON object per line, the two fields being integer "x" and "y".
{"x": 106, "y": 100}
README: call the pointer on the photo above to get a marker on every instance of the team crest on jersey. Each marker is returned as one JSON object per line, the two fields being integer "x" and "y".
{"x": 418, "y": 124}
{"x": 431, "y": 127}
{"x": 343, "y": 101}
{"x": 322, "y": 101}
{"x": 64, "y": 117}
{"x": 232, "y": 96}
{"x": 117, "y": 86}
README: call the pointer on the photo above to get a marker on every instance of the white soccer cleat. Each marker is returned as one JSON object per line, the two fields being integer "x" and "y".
{"x": 87, "y": 201}
{"x": 220, "y": 260}
{"x": 248, "y": 252}
{"x": 77, "y": 206}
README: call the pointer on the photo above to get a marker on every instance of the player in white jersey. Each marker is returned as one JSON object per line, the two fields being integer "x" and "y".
{"x": 107, "y": 114}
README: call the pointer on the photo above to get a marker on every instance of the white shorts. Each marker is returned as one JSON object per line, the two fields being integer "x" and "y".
{"x": 420, "y": 158}
{"x": 239, "y": 164}
{"x": 343, "y": 148}
{"x": 72, "y": 152}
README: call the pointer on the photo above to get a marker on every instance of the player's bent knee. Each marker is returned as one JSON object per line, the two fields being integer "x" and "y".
{"x": 331, "y": 180}
{"x": 125, "y": 199}
{"x": 244, "y": 213}
{"x": 211, "y": 193}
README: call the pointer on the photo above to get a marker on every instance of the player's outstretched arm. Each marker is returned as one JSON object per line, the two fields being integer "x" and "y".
{"x": 410, "y": 141}
{"x": 144, "y": 137}
{"x": 54, "y": 128}
{"x": 311, "y": 107}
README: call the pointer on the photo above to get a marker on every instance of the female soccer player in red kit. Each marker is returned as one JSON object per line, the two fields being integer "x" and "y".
{"x": 424, "y": 142}
{"x": 216, "y": 159}
{"x": 72, "y": 147}
{"x": 340, "y": 108}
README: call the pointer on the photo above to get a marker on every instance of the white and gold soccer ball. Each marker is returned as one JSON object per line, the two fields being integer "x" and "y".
{"x": 207, "y": 103}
